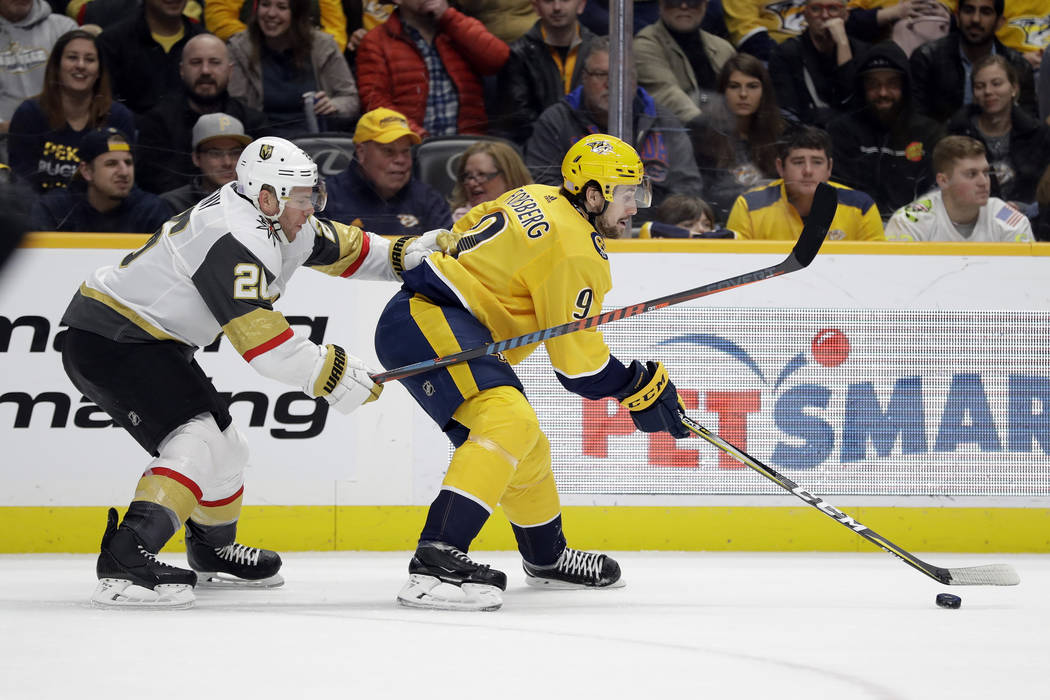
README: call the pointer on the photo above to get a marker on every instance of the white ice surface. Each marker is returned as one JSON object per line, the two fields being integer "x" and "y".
{"x": 687, "y": 625}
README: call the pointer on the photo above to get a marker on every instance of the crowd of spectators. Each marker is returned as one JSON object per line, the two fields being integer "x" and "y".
{"x": 738, "y": 107}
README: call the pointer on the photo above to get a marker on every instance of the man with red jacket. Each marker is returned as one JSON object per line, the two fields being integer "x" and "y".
{"x": 426, "y": 61}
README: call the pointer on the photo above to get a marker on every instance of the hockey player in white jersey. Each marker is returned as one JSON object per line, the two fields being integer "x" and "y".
{"x": 961, "y": 209}
{"x": 134, "y": 328}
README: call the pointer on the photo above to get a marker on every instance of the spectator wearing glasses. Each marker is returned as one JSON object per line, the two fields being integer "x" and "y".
{"x": 485, "y": 171}
{"x": 813, "y": 73}
{"x": 377, "y": 191}
{"x": 658, "y": 136}
{"x": 218, "y": 140}
{"x": 757, "y": 27}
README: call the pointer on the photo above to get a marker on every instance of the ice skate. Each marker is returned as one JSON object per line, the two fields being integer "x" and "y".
{"x": 442, "y": 577}
{"x": 232, "y": 565}
{"x": 575, "y": 569}
{"x": 130, "y": 576}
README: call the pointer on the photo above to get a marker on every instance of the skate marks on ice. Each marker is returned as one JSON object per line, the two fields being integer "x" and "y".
{"x": 739, "y": 625}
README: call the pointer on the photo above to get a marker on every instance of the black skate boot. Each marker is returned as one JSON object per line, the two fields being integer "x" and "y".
{"x": 229, "y": 565}
{"x": 131, "y": 576}
{"x": 575, "y": 569}
{"x": 443, "y": 577}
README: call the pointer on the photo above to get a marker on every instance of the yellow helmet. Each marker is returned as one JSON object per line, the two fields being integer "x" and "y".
{"x": 608, "y": 161}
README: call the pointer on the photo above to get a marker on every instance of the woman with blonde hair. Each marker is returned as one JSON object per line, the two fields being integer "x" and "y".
{"x": 46, "y": 130}
{"x": 486, "y": 170}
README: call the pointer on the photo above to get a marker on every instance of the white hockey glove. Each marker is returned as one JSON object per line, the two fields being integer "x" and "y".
{"x": 342, "y": 379}
{"x": 408, "y": 251}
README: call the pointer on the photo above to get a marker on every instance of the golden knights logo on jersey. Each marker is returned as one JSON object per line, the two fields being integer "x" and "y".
{"x": 265, "y": 151}
{"x": 266, "y": 225}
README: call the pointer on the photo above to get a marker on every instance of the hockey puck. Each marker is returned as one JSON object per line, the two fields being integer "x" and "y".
{"x": 947, "y": 600}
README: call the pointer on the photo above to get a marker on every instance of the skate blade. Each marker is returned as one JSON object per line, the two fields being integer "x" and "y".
{"x": 431, "y": 593}
{"x": 113, "y": 593}
{"x": 217, "y": 579}
{"x": 556, "y": 584}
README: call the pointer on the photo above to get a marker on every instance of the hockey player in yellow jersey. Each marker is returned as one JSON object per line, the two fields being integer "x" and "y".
{"x": 531, "y": 259}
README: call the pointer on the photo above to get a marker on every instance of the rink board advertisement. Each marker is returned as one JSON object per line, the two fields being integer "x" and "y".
{"x": 891, "y": 375}
{"x": 862, "y": 403}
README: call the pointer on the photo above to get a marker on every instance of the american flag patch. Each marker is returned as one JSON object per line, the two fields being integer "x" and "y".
{"x": 1009, "y": 215}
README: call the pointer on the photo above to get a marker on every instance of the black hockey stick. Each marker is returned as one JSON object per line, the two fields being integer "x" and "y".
{"x": 988, "y": 575}
{"x": 825, "y": 203}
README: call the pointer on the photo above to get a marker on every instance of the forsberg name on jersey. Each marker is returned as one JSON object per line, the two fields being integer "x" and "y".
{"x": 528, "y": 213}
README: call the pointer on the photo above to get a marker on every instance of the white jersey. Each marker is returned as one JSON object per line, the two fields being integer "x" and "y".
{"x": 926, "y": 219}
{"x": 218, "y": 268}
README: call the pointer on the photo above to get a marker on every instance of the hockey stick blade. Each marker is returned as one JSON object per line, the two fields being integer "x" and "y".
{"x": 821, "y": 213}
{"x": 988, "y": 575}
{"x": 825, "y": 203}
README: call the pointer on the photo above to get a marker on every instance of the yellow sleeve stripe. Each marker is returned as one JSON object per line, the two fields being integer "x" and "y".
{"x": 126, "y": 312}
{"x": 252, "y": 334}
{"x": 353, "y": 249}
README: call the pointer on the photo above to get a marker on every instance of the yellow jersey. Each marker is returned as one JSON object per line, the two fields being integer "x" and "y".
{"x": 530, "y": 260}
{"x": 766, "y": 214}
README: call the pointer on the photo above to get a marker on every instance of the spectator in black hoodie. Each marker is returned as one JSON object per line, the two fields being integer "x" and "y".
{"x": 883, "y": 147}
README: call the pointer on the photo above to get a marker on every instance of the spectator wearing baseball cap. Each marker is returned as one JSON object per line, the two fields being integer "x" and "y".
{"x": 218, "y": 140}
{"x": 377, "y": 190}
{"x": 102, "y": 196}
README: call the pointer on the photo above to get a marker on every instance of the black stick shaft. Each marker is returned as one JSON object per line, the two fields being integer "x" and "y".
{"x": 825, "y": 203}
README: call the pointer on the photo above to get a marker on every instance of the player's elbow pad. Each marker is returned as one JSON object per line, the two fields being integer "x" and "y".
{"x": 652, "y": 400}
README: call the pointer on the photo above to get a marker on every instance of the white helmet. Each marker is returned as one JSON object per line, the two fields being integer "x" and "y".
{"x": 282, "y": 165}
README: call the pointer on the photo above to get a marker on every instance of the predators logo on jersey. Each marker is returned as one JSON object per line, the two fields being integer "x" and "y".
{"x": 1036, "y": 31}
{"x": 599, "y": 244}
{"x": 789, "y": 12}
